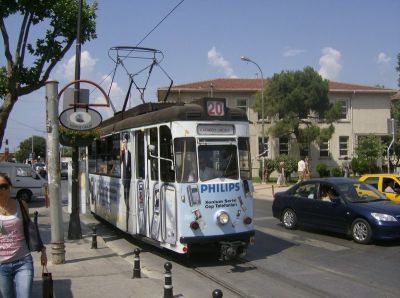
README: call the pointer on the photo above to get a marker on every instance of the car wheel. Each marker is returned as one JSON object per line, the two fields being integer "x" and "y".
{"x": 24, "y": 195}
{"x": 361, "y": 231}
{"x": 289, "y": 219}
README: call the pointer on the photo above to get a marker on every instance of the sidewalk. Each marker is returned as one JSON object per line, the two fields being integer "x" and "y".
{"x": 90, "y": 272}
{"x": 266, "y": 191}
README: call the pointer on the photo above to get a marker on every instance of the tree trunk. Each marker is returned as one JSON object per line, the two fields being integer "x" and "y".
{"x": 9, "y": 100}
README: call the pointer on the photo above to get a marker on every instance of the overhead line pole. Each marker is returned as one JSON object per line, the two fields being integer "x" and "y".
{"x": 74, "y": 228}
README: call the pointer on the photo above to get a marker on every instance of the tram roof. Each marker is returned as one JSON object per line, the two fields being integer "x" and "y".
{"x": 160, "y": 112}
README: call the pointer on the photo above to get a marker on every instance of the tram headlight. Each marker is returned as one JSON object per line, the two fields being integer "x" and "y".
{"x": 223, "y": 217}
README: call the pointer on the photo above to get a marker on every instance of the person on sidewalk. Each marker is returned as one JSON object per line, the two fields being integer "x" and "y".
{"x": 281, "y": 175}
{"x": 16, "y": 264}
{"x": 307, "y": 171}
{"x": 346, "y": 167}
{"x": 301, "y": 167}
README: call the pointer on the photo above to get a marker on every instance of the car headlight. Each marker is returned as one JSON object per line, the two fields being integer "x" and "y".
{"x": 383, "y": 217}
{"x": 223, "y": 217}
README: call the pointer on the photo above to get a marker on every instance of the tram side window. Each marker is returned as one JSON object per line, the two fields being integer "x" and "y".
{"x": 92, "y": 157}
{"x": 166, "y": 151}
{"x": 244, "y": 158}
{"x": 154, "y": 161}
{"x": 140, "y": 164}
{"x": 114, "y": 162}
{"x": 104, "y": 156}
{"x": 185, "y": 160}
{"x": 101, "y": 157}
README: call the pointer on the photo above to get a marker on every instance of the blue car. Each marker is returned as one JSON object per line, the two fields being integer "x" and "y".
{"x": 340, "y": 205}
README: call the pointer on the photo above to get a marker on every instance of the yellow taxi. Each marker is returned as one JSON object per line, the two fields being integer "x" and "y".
{"x": 388, "y": 184}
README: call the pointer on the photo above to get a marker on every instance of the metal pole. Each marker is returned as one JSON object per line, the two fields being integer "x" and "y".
{"x": 262, "y": 114}
{"x": 392, "y": 127}
{"x": 53, "y": 163}
{"x": 74, "y": 229}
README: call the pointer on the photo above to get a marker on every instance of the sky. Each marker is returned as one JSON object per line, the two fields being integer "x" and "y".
{"x": 351, "y": 41}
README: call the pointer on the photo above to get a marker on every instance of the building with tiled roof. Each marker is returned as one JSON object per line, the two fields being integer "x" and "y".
{"x": 365, "y": 110}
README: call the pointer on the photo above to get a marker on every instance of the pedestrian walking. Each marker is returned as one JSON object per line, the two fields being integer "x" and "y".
{"x": 16, "y": 264}
{"x": 281, "y": 175}
{"x": 346, "y": 167}
{"x": 307, "y": 171}
{"x": 301, "y": 166}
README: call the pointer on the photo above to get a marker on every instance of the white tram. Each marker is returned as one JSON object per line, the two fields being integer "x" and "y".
{"x": 176, "y": 175}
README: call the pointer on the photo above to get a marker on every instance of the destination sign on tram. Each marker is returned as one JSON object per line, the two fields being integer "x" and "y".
{"x": 215, "y": 129}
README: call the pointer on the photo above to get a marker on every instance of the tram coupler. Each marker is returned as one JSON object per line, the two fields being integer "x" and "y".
{"x": 94, "y": 237}
{"x": 136, "y": 264}
{"x": 232, "y": 250}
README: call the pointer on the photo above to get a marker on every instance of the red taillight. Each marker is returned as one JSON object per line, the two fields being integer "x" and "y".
{"x": 184, "y": 249}
{"x": 247, "y": 220}
{"x": 194, "y": 225}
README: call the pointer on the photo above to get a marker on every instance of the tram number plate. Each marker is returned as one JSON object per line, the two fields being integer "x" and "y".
{"x": 215, "y": 108}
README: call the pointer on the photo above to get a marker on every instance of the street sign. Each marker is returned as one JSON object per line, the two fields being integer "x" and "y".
{"x": 80, "y": 118}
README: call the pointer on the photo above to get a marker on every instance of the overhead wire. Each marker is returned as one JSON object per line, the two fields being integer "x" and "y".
{"x": 140, "y": 42}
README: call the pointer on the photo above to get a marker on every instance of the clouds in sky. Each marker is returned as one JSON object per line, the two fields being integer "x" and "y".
{"x": 216, "y": 59}
{"x": 290, "y": 52}
{"x": 330, "y": 63}
{"x": 67, "y": 70}
{"x": 382, "y": 58}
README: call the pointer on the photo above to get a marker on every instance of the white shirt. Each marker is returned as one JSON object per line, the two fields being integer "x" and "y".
{"x": 301, "y": 166}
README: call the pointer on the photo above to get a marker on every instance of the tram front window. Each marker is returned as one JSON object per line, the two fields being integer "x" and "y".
{"x": 218, "y": 161}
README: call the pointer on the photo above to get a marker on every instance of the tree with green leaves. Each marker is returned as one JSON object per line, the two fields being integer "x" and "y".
{"x": 369, "y": 149}
{"x": 29, "y": 61}
{"x": 25, "y": 147}
{"x": 300, "y": 99}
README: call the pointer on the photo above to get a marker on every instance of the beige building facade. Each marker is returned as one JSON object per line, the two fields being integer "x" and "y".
{"x": 365, "y": 110}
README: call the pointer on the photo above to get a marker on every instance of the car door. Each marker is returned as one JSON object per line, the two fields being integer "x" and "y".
{"x": 304, "y": 197}
{"x": 331, "y": 215}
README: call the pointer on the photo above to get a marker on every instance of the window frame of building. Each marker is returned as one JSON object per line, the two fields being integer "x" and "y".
{"x": 343, "y": 146}
{"x": 344, "y": 109}
{"x": 325, "y": 151}
{"x": 243, "y": 103}
{"x": 284, "y": 145}
{"x": 260, "y": 147}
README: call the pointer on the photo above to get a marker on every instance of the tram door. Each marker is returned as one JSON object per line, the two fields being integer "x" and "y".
{"x": 156, "y": 193}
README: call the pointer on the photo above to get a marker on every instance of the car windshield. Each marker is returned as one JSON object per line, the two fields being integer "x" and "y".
{"x": 359, "y": 192}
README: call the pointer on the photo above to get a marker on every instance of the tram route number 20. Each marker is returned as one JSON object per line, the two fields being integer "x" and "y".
{"x": 215, "y": 108}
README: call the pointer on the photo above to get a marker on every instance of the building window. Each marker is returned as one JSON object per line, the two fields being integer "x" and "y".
{"x": 241, "y": 103}
{"x": 263, "y": 151}
{"x": 324, "y": 149}
{"x": 343, "y": 109}
{"x": 284, "y": 145}
{"x": 343, "y": 146}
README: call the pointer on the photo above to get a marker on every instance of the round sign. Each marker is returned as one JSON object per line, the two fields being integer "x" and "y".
{"x": 80, "y": 118}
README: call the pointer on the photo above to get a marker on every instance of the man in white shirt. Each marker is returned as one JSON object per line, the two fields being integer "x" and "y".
{"x": 301, "y": 167}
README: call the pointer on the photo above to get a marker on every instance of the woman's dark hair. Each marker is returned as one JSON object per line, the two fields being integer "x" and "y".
{"x": 5, "y": 176}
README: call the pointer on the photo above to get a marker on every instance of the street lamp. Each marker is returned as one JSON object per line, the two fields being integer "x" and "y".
{"x": 246, "y": 59}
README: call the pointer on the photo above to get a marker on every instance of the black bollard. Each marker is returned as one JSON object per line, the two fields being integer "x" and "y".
{"x": 94, "y": 237}
{"x": 168, "y": 292}
{"x": 136, "y": 264}
{"x": 217, "y": 293}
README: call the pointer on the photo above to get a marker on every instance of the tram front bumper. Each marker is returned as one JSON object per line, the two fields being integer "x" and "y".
{"x": 229, "y": 246}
